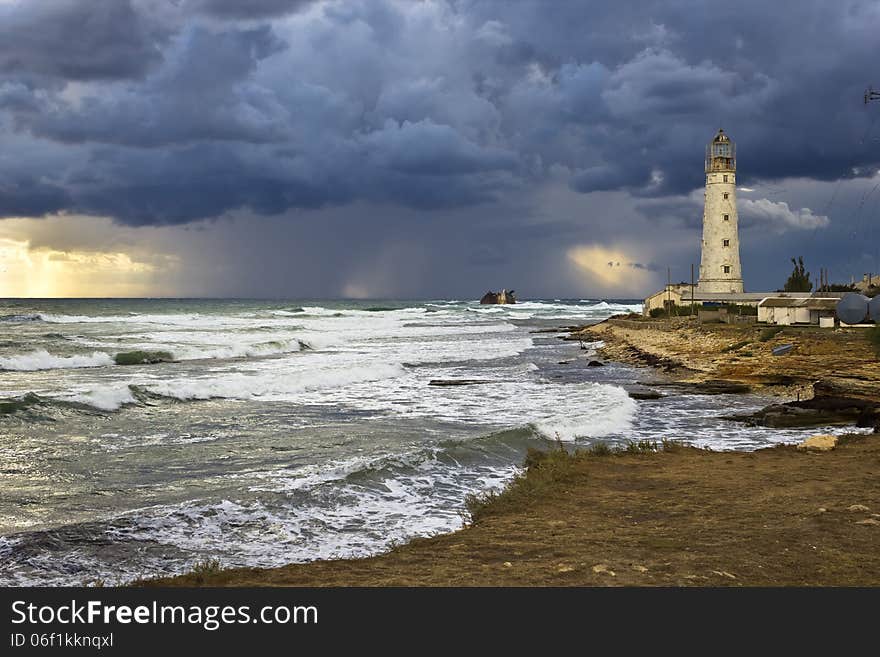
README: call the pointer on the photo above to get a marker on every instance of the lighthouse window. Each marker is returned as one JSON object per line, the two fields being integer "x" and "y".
{"x": 726, "y": 195}
{"x": 726, "y": 269}
{"x": 725, "y": 177}
{"x": 725, "y": 242}
{"x": 726, "y": 217}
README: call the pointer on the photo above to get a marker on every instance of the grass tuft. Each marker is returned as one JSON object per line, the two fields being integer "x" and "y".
{"x": 873, "y": 335}
{"x": 735, "y": 346}
{"x": 769, "y": 333}
{"x": 671, "y": 445}
{"x": 600, "y": 449}
{"x": 202, "y": 569}
{"x": 538, "y": 481}
{"x": 641, "y": 447}
{"x": 543, "y": 472}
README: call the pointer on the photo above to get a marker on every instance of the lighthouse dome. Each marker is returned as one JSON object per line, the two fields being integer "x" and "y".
{"x": 720, "y": 153}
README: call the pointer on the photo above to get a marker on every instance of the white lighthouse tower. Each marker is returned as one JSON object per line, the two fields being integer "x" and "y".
{"x": 719, "y": 264}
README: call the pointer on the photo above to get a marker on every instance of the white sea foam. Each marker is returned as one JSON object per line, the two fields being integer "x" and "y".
{"x": 609, "y": 410}
{"x": 344, "y": 519}
{"x": 43, "y": 360}
{"x": 616, "y": 307}
{"x": 273, "y": 385}
{"x": 108, "y": 398}
{"x": 238, "y": 350}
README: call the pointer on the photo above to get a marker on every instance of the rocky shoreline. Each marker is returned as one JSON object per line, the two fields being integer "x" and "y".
{"x": 829, "y": 378}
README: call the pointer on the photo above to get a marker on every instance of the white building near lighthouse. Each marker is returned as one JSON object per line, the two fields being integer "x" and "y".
{"x": 720, "y": 269}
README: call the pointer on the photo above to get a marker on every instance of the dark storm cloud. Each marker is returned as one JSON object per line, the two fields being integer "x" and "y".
{"x": 157, "y": 112}
{"x": 27, "y": 196}
{"x": 201, "y": 96}
{"x": 76, "y": 40}
{"x": 249, "y": 8}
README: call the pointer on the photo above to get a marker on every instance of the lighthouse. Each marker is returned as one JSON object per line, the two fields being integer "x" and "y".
{"x": 720, "y": 269}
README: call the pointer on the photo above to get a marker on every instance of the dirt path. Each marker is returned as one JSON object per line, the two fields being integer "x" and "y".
{"x": 684, "y": 517}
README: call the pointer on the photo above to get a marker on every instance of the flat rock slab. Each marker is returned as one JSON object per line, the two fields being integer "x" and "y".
{"x": 457, "y": 382}
{"x": 817, "y": 412}
{"x": 645, "y": 394}
{"x": 705, "y": 387}
{"x": 822, "y": 443}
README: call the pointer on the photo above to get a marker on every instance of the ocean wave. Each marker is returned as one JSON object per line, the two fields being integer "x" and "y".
{"x": 272, "y": 385}
{"x": 610, "y": 411}
{"x": 615, "y": 307}
{"x": 43, "y": 360}
{"x": 190, "y": 320}
{"x": 28, "y": 317}
{"x": 241, "y": 350}
{"x": 108, "y": 398}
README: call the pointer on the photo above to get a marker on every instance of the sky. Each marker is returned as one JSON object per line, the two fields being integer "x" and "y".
{"x": 427, "y": 149}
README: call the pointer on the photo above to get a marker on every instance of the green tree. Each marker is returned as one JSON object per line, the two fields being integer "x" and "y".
{"x": 799, "y": 281}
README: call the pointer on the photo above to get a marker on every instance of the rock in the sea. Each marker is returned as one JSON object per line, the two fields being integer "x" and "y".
{"x": 821, "y": 412}
{"x": 595, "y": 363}
{"x": 502, "y": 297}
{"x": 638, "y": 394}
{"x": 821, "y": 443}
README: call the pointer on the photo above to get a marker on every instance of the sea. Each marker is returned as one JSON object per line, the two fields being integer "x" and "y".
{"x": 141, "y": 437}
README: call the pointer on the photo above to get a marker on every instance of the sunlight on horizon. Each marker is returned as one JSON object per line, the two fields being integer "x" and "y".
{"x": 45, "y": 273}
{"x": 609, "y": 267}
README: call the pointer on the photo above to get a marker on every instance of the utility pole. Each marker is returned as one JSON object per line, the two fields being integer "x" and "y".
{"x": 692, "y": 290}
{"x": 668, "y": 293}
{"x": 870, "y": 95}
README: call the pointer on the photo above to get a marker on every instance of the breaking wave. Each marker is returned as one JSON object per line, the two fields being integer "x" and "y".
{"x": 43, "y": 360}
{"x": 271, "y": 384}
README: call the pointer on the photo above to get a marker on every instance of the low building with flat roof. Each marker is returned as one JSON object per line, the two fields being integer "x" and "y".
{"x": 788, "y": 311}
